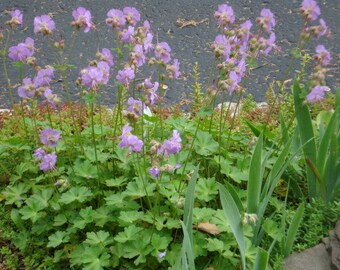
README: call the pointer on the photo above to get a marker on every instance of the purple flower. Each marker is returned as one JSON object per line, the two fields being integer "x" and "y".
{"x": 44, "y": 77}
{"x": 270, "y": 43}
{"x": 162, "y": 51}
{"x": 16, "y": 17}
{"x": 131, "y": 141}
{"x": 48, "y": 162}
{"x": 49, "y": 137}
{"x": 172, "y": 146}
{"x": 92, "y": 76}
{"x": 82, "y": 18}
{"x": 27, "y": 89}
{"x": 234, "y": 79}
{"x": 245, "y": 31}
{"x": 151, "y": 88}
{"x": 317, "y": 93}
{"x": 50, "y": 97}
{"x": 106, "y": 56}
{"x": 138, "y": 56}
{"x": 322, "y": 55}
{"x": 132, "y": 15}
{"x": 154, "y": 171}
{"x": 310, "y": 9}
{"x": 224, "y": 15}
{"x": 161, "y": 255}
{"x": 135, "y": 106}
{"x": 222, "y": 47}
{"x": 105, "y": 69}
{"x": 22, "y": 51}
{"x": 126, "y": 75}
{"x": 148, "y": 43}
{"x": 39, "y": 154}
{"x": 266, "y": 21}
{"x": 43, "y": 24}
{"x": 127, "y": 35}
{"x": 115, "y": 18}
{"x": 173, "y": 70}
{"x": 323, "y": 29}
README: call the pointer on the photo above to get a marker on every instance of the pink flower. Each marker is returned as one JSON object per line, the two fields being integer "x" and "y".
{"x": 138, "y": 56}
{"x": 148, "y": 43}
{"x": 127, "y": 35}
{"x": 317, "y": 93}
{"x": 44, "y": 77}
{"x": 115, "y": 18}
{"x": 22, "y": 51}
{"x": 173, "y": 70}
{"x": 224, "y": 15}
{"x": 267, "y": 20}
{"x": 126, "y": 75}
{"x": 39, "y": 154}
{"x": 49, "y": 137}
{"x": 106, "y": 56}
{"x": 310, "y": 9}
{"x": 322, "y": 55}
{"x": 135, "y": 106}
{"x": 154, "y": 171}
{"x": 171, "y": 146}
{"x": 92, "y": 76}
{"x": 48, "y": 162}
{"x": 43, "y": 24}
{"x": 16, "y": 18}
{"x": 82, "y": 18}
{"x": 131, "y": 141}
{"x": 105, "y": 69}
{"x": 162, "y": 51}
{"x": 27, "y": 89}
{"x": 132, "y": 15}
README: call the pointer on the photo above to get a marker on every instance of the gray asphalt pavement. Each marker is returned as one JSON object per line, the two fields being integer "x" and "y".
{"x": 190, "y": 42}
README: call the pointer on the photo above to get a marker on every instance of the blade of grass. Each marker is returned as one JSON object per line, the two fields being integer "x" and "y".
{"x": 255, "y": 178}
{"x": 261, "y": 259}
{"x": 233, "y": 216}
{"x": 306, "y": 132}
{"x": 293, "y": 228}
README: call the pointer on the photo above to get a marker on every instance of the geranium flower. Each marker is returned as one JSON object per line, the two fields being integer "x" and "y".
{"x": 224, "y": 15}
{"x": 43, "y": 24}
{"x": 49, "y": 137}
{"x": 82, "y": 18}
{"x": 115, "y": 18}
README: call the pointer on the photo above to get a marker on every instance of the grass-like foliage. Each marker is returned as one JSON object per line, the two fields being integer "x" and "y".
{"x": 147, "y": 185}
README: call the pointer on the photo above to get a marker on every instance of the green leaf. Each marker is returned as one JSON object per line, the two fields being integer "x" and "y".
{"x": 95, "y": 259}
{"x": 80, "y": 194}
{"x": 255, "y": 178}
{"x": 261, "y": 259}
{"x": 233, "y": 216}
{"x": 31, "y": 211}
{"x": 59, "y": 220}
{"x": 116, "y": 182}
{"x": 206, "y": 189}
{"x": 57, "y": 238}
{"x": 98, "y": 238}
{"x": 306, "y": 132}
{"x": 128, "y": 234}
{"x": 85, "y": 169}
{"x": 129, "y": 217}
{"x": 137, "y": 189}
{"x": 101, "y": 216}
{"x": 204, "y": 144}
{"x": 293, "y": 229}
{"x": 15, "y": 194}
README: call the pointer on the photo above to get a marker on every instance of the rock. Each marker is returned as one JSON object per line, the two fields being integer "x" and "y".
{"x": 315, "y": 258}
{"x": 333, "y": 247}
